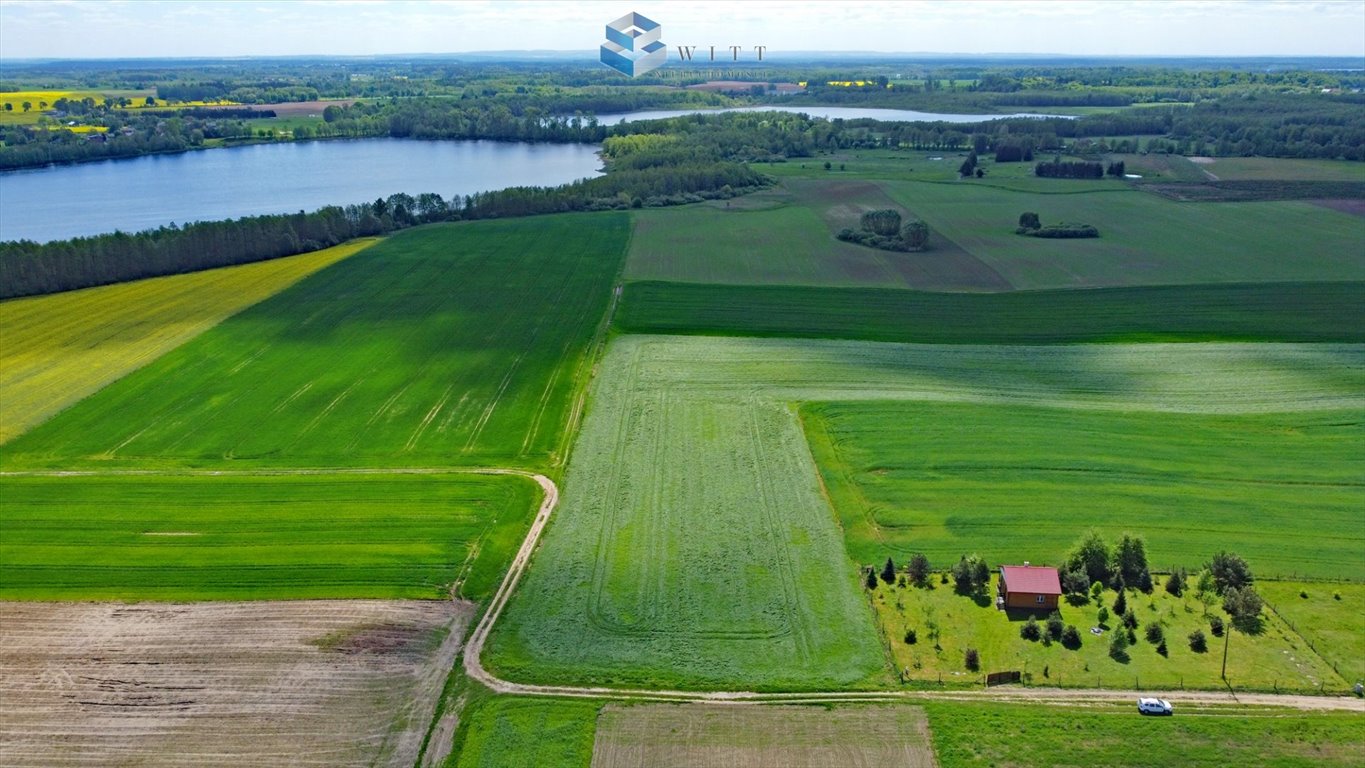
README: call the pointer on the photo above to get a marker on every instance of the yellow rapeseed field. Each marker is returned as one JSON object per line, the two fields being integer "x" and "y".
{"x": 55, "y": 350}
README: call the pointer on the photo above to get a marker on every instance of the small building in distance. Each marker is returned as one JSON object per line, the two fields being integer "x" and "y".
{"x": 1029, "y": 586}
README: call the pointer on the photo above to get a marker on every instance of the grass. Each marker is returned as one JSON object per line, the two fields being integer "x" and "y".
{"x": 1330, "y": 618}
{"x": 512, "y": 731}
{"x": 1144, "y": 239}
{"x": 785, "y": 236}
{"x": 1272, "y": 169}
{"x": 949, "y": 478}
{"x": 423, "y": 350}
{"x": 1299, "y": 312}
{"x": 971, "y": 734}
{"x": 61, "y": 348}
{"x": 693, "y": 547}
{"x": 1275, "y": 659}
{"x": 179, "y": 537}
{"x": 695, "y": 735}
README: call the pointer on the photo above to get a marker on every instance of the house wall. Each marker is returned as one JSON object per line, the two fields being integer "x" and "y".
{"x": 1030, "y": 600}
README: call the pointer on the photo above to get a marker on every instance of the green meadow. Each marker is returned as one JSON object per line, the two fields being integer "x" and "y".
{"x": 257, "y": 537}
{"x": 1329, "y": 616}
{"x": 512, "y": 732}
{"x": 946, "y": 623}
{"x": 460, "y": 344}
{"x": 696, "y": 548}
{"x": 945, "y": 479}
{"x": 967, "y": 735}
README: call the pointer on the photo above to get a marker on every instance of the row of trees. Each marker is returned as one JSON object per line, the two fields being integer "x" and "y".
{"x": 1069, "y": 169}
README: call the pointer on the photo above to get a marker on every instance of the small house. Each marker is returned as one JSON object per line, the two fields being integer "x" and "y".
{"x": 1029, "y": 586}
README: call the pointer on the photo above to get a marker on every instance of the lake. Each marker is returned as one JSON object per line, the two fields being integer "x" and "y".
{"x": 59, "y": 202}
{"x": 847, "y": 113}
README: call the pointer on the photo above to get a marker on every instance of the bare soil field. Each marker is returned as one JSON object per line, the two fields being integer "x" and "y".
{"x": 317, "y": 682}
{"x": 711, "y": 736}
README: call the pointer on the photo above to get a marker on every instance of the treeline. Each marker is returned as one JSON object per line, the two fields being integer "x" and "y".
{"x": 1069, "y": 169}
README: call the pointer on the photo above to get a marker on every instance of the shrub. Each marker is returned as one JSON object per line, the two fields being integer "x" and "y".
{"x": 1071, "y": 637}
{"x": 1175, "y": 583}
{"x": 1303, "y": 593}
{"x": 1162, "y": 649}
{"x": 1155, "y": 634}
{"x": 871, "y": 578}
{"x": 1061, "y": 231}
{"x": 1120, "y": 602}
{"x": 1075, "y": 582}
{"x": 1130, "y": 619}
{"x": 918, "y": 570}
{"x": 1216, "y": 625}
{"x": 1118, "y": 647}
{"x": 972, "y": 659}
{"x": 889, "y": 571}
{"x": 1229, "y": 570}
{"x": 1198, "y": 643}
{"x": 1055, "y": 625}
{"x": 1242, "y": 603}
{"x": 1030, "y": 630}
{"x": 1103, "y": 615}
{"x": 911, "y": 637}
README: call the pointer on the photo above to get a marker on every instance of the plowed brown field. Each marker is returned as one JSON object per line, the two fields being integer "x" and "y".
{"x": 316, "y": 682}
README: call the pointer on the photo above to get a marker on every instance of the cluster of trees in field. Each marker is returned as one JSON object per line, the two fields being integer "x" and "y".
{"x": 1072, "y": 169}
{"x": 1030, "y": 224}
{"x": 882, "y": 229}
{"x": 1091, "y": 567}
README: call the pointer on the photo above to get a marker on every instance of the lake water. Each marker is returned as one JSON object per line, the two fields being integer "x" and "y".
{"x": 146, "y": 192}
{"x": 847, "y": 113}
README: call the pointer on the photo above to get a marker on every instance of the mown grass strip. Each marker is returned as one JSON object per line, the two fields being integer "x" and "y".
{"x": 1289, "y": 312}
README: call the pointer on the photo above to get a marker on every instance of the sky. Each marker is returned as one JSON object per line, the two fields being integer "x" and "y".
{"x": 230, "y": 28}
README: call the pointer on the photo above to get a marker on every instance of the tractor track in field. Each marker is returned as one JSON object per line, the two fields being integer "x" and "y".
{"x": 473, "y": 650}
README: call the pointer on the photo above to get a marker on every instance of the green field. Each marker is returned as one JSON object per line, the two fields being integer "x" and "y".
{"x": 949, "y": 478}
{"x": 1145, "y": 239}
{"x": 1298, "y": 312}
{"x": 235, "y": 537}
{"x": 967, "y": 735}
{"x": 61, "y": 348}
{"x": 1330, "y": 617}
{"x": 785, "y": 236}
{"x": 447, "y": 345}
{"x": 693, "y": 546}
{"x": 1275, "y": 658}
{"x": 514, "y": 732}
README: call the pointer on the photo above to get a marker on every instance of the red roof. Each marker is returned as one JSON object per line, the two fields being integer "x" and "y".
{"x": 1034, "y": 579}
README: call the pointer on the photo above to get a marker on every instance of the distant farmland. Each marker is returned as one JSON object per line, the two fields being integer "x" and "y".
{"x": 62, "y": 347}
{"x": 455, "y": 344}
{"x": 694, "y": 547}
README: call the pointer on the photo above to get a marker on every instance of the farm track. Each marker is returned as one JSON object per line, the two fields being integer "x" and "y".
{"x": 473, "y": 649}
